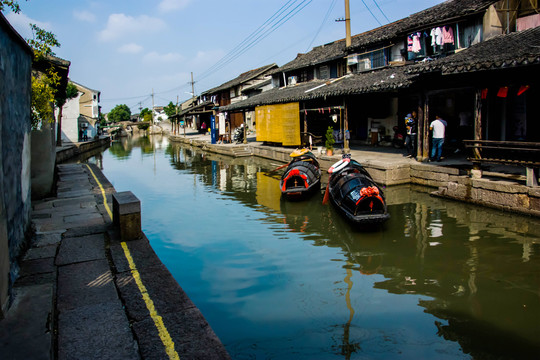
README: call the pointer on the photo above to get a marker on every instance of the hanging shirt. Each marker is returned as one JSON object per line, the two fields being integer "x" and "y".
{"x": 433, "y": 34}
{"x": 417, "y": 45}
{"x": 448, "y": 35}
{"x": 436, "y": 36}
{"x": 409, "y": 43}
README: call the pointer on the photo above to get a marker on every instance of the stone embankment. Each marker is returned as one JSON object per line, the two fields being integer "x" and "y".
{"x": 452, "y": 178}
{"x": 85, "y": 292}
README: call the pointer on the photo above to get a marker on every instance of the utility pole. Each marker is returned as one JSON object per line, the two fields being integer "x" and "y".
{"x": 192, "y": 101}
{"x": 347, "y": 24}
{"x": 152, "y": 106}
{"x": 177, "y": 119}
{"x": 347, "y": 21}
{"x": 192, "y": 89}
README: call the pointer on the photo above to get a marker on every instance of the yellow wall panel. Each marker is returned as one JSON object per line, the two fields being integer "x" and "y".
{"x": 278, "y": 123}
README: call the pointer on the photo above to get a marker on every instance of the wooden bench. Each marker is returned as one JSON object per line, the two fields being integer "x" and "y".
{"x": 315, "y": 140}
{"x": 517, "y": 153}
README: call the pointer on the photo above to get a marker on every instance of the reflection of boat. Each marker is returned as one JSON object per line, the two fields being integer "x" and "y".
{"x": 354, "y": 193}
{"x": 302, "y": 177}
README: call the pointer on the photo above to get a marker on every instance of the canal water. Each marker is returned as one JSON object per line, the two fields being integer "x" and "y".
{"x": 282, "y": 280}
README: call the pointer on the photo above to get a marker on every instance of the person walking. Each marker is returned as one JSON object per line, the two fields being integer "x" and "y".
{"x": 438, "y": 126}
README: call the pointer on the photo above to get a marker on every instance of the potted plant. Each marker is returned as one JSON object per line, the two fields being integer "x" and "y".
{"x": 329, "y": 144}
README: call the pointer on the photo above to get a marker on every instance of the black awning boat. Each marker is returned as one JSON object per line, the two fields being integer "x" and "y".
{"x": 302, "y": 177}
{"x": 354, "y": 193}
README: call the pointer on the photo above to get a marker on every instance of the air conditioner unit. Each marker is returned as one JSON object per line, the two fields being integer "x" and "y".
{"x": 293, "y": 80}
{"x": 364, "y": 65}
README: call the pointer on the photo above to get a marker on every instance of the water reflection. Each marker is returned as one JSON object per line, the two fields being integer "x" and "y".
{"x": 280, "y": 279}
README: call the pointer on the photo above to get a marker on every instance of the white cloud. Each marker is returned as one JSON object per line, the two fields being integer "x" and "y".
{"x": 130, "y": 48}
{"x": 154, "y": 57}
{"x": 84, "y": 15}
{"x": 121, "y": 25}
{"x": 21, "y": 23}
{"x": 169, "y": 5}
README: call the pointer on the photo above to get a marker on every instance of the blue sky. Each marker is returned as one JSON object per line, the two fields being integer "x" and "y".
{"x": 126, "y": 49}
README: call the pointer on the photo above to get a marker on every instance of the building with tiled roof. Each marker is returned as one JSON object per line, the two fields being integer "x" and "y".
{"x": 435, "y": 61}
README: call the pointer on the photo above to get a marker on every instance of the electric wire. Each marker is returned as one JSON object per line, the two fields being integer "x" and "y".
{"x": 371, "y": 12}
{"x": 236, "y": 48}
{"x": 234, "y": 52}
{"x": 382, "y": 12}
{"x": 280, "y": 17}
{"x": 259, "y": 38}
{"x": 330, "y": 8}
{"x": 264, "y": 35}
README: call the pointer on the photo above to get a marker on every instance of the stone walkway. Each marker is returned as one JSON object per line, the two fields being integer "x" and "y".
{"x": 82, "y": 294}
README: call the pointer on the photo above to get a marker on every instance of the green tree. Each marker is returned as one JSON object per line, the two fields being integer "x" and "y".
{"x": 120, "y": 113}
{"x": 102, "y": 120}
{"x": 13, "y": 5}
{"x": 170, "y": 109}
{"x": 144, "y": 113}
{"x": 44, "y": 84}
{"x": 147, "y": 117}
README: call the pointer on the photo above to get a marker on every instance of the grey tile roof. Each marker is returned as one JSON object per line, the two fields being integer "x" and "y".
{"x": 504, "y": 51}
{"x": 385, "y": 80}
{"x": 437, "y": 15}
{"x": 242, "y": 78}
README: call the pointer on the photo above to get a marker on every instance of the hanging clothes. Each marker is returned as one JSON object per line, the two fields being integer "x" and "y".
{"x": 409, "y": 43}
{"x": 436, "y": 37}
{"x": 448, "y": 35}
{"x": 417, "y": 45}
{"x": 433, "y": 35}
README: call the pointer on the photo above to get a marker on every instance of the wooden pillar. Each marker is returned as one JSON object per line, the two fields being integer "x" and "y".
{"x": 477, "y": 124}
{"x": 306, "y": 136}
{"x": 423, "y": 135}
{"x": 420, "y": 138}
{"x": 347, "y": 149}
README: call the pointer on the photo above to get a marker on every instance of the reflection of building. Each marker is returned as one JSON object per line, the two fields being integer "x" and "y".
{"x": 457, "y": 268}
{"x": 81, "y": 113}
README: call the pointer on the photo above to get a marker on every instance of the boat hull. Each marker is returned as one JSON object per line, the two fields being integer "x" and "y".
{"x": 301, "y": 179}
{"x": 356, "y": 196}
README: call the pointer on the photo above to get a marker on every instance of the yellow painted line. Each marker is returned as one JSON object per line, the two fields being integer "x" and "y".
{"x": 102, "y": 193}
{"x": 158, "y": 320}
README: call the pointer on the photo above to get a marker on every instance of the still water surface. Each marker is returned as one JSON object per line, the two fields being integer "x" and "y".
{"x": 282, "y": 280}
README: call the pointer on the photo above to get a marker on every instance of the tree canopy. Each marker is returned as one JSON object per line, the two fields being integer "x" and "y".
{"x": 70, "y": 93}
{"x": 146, "y": 114}
{"x": 120, "y": 113}
{"x": 13, "y": 5}
{"x": 170, "y": 109}
{"x": 44, "y": 85}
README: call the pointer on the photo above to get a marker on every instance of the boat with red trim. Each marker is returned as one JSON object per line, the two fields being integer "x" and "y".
{"x": 354, "y": 193}
{"x": 302, "y": 177}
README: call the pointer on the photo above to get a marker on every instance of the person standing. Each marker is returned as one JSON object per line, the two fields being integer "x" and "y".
{"x": 438, "y": 126}
{"x": 410, "y": 138}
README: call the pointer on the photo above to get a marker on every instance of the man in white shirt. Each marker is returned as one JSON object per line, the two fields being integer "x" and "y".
{"x": 438, "y": 126}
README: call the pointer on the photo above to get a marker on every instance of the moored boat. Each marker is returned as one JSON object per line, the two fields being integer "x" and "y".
{"x": 302, "y": 177}
{"x": 354, "y": 193}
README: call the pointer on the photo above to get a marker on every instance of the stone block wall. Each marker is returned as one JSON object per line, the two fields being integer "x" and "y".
{"x": 15, "y": 201}
{"x": 504, "y": 195}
